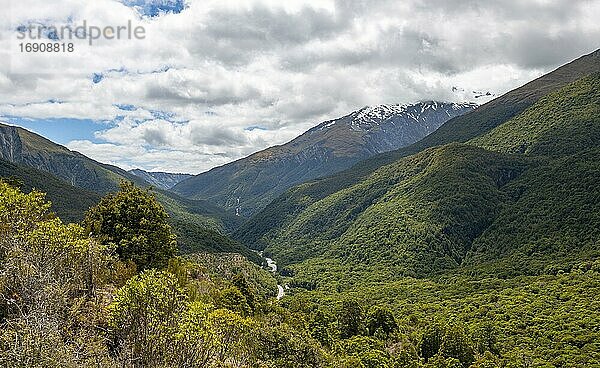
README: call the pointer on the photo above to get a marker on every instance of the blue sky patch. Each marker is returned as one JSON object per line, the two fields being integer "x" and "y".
{"x": 126, "y": 107}
{"x": 97, "y": 78}
{"x": 60, "y": 130}
{"x": 254, "y": 127}
{"x": 155, "y": 8}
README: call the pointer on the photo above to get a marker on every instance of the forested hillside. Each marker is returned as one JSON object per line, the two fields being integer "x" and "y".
{"x": 535, "y": 197}
{"x": 69, "y": 203}
{"x": 460, "y": 129}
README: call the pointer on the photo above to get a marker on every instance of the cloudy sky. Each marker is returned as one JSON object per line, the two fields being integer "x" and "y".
{"x": 213, "y": 81}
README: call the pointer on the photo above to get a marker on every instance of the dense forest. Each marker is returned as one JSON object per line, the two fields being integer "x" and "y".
{"x": 113, "y": 292}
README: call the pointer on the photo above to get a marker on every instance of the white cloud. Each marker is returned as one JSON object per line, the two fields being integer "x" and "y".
{"x": 220, "y": 67}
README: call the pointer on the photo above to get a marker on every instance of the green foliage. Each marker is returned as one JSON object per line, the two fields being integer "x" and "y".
{"x": 234, "y": 270}
{"x": 456, "y": 344}
{"x": 431, "y": 341}
{"x": 136, "y": 224}
{"x": 48, "y": 274}
{"x": 320, "y": 327}
{"x": 562, "y": 123}
{"x": 144, "y": 316}
{"x": 381, "y": 322}
{"x": 351, "y": 319}
{"x": 546, "y": 320}
{"x": 233, "y": 299}
{"x": 408, "y": 215}
{"x": 69, "y": 203}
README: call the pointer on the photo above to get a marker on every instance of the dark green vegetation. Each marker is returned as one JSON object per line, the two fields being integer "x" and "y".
{"x": 69, "y": 202}
{"x": 418, "y": 215}
{"x": 532, "y": 321}
{"x": 201, "y": 226}
{"x": 133, "y": 223}
{"x": 459, "y": 129}
{"x": 249, "y": 184}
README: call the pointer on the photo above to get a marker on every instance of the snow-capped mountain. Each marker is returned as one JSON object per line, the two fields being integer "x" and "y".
{"x": 388, "y": 127}
{"x": 248, "y": 184}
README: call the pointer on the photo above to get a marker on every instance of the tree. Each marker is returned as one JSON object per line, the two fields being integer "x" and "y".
{"x": 136, "y": 224}
{"x": 487, "y": 360}
{"x": 144, "y": 317}
{"x": 351, "y": 319}
{"x": 431, "y": 341}
{"x": 240, "y": 282}
{"x": 233, "y": 299}
{"x": 381, "y": 321}
{"x": 319, "y": 327}
{"x": 486, "y": 337}
{"x": 456, "y": 344}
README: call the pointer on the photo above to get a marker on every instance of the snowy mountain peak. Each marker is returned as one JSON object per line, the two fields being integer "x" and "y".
{"x": 425, "y": 112}
{"x": 377, "y": 114}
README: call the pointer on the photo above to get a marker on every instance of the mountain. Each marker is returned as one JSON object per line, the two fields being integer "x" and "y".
{"x": 20, "y": 146}
{"x": 68, "y": 202}
{"x": 251, "y": 183}
{"x": 160, "y": 180}
{"x": 520, "y": 198}
{"x": 460, "y": 129}
{"x": 75, "y": 182}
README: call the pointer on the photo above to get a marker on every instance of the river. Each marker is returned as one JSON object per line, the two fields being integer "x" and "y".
{"x": 273, "y": 268}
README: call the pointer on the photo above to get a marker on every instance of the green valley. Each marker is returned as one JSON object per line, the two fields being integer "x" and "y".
{"x": 477, "y": 246}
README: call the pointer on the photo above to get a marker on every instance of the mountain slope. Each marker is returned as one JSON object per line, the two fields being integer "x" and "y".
{"x": 460, "y": 129}
{"x": 74, "y": 182}
{"x": 68, "y": 202}
{"x": 556, "y": 212}
{"x": 161, "y": 180}
{"x": 418, "y": 215}
{"x": 23, "y": 147}
{"x": 251, "y": 183}
{"x": 528, "y": 206}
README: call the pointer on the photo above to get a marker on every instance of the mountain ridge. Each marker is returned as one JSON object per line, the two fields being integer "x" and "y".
{"x": 160, "y": 179}
{"x": 459, "y": 129}
{"x": 251, "y": 183}
{"x": 75, "y": 182}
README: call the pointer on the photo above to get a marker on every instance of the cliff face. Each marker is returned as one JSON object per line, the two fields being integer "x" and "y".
{"x": 10, "y": 144}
